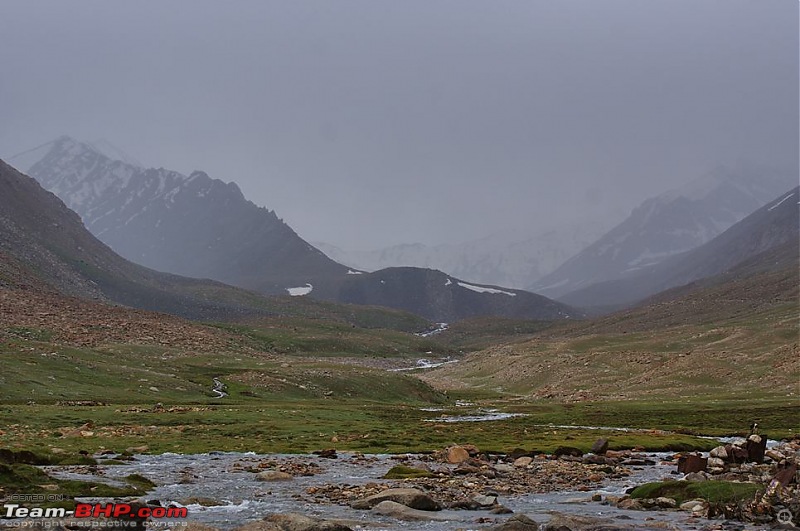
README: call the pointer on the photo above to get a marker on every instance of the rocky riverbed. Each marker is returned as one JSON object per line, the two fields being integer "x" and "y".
{"x": 469, "y": 489}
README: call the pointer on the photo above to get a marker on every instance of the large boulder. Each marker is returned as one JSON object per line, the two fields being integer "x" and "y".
{"x": 570, "y": 451}
{"x": 413, "y": 498}
{"x": 522, "y": 462}
{"x": 457, "y": 454}
{"x": 518, "y": 522}
{"x": 403, "y": 512}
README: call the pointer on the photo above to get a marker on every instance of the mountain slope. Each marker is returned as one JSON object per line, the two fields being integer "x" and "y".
{"x": 667, "y": 225}
{"x": 439, "y": 297}
{"x": 730, "y": 335}
{"x": 40, "y": 234}
{"x": 774, "y": 227}
{"x": 193, "y": 226}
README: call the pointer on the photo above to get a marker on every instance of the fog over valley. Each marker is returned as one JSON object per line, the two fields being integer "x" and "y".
{"x": 366, "y": 125}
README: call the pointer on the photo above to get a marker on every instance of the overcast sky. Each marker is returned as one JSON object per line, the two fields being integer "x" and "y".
{"x": 367, "y": 123}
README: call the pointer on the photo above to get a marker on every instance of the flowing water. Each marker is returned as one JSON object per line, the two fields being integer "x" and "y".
{"x": 236, "y": 497}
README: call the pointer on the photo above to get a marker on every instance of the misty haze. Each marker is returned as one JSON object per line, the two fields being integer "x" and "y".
{"x": 405, "y": 265}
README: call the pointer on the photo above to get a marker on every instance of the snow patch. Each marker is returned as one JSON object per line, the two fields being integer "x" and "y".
{"x": 301, "y": 290}
{"x": 776, "y": 205}
{"x": 448, "y": 282}
{"x": 351, "y": 272}
{"x": 482, "y": 289}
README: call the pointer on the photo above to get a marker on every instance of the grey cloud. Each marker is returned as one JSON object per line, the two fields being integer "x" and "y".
{"x": 372, "y": 123}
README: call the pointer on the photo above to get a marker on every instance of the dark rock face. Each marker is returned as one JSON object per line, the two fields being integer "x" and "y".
{"x": 437, "y": 296}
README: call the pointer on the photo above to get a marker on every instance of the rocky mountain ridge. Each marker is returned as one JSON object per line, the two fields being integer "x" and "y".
{"x": 769, "y": 238}
{"x": 667, "y": 225}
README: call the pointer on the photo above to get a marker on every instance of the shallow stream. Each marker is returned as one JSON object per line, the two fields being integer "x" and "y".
{"x": 237, "y": 497}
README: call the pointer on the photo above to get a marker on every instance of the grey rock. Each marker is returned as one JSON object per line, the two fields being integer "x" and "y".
{"x": 518, "y": 522}
{"x": 600, "y": 446}
{"x": 484, "y": 500}
{"x": 666, "y": 503}
{"x": 719, "y": 452}
{"x": 273, "y": 475}
{"x": 413, "y": 498}
{"x": 402, "y": 512}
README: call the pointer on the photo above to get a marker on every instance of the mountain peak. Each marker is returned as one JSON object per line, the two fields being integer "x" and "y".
{"x": 203, "y": 227}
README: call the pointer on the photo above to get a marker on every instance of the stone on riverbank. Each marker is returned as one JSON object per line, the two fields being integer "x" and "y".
{"x": 457, "y": 454}
{"x": 600, "y": 446}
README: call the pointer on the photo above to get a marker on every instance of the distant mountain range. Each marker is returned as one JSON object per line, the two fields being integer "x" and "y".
{"x": 201, "y": 227}
{"x": 766, "y": 240}
{"x": 667, "y": 225}
{"x": 513, "y": 258}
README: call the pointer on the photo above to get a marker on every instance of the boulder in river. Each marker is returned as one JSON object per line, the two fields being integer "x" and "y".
{"x": 413, "y": 498}
{"x": 403, "y": 512}
{"x": 328, "y": 453}
{"x": 518, "y": 522}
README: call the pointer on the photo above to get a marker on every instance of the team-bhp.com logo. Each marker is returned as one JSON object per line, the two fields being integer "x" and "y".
{"x": 96, "y": 510}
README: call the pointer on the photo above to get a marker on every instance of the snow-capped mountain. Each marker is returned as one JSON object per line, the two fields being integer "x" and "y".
{"x": 514, "y": 258}
{"x": 766, "y": 240}
{"x": 189, "y": 225}
{"x": 666, "y": 225}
